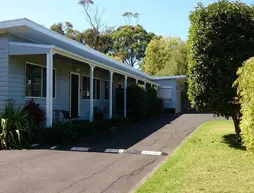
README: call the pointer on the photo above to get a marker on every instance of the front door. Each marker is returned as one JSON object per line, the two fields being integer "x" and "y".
{"x": 74, "y": 95}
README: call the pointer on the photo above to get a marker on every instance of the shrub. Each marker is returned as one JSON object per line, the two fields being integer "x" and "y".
{"x": 169, "y": 110}
{"x": 121, "y": 121}
{"x": 155, "y": 105}
{"x": 14, "y": 127}
{"x": 98, "y": 114}
{"x": 36, "y": 116}
{"x": 69, "y": 132}
{"x": 245, "y": 89}
{"x": 137, "y": 101}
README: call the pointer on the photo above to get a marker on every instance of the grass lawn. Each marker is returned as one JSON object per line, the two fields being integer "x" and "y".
{"x": 209, "y": 161}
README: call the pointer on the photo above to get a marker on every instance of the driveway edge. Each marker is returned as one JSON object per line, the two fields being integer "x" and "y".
{"x": 140, "y": 183}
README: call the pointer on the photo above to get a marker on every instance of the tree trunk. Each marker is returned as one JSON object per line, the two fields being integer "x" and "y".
{"x": 236, "y": 121}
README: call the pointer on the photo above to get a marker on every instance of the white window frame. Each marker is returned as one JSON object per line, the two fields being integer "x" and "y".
{"x": 84, "y": 75}
{"x": 42, "y": 66}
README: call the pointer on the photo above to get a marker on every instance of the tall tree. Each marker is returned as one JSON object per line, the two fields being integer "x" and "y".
{"x": 165, "y": 56}
{"x": 221, "y": 38}
{"x": 130, "y": 42}
{"x": 94, "y": 18}
{"x": 128, "y": 16}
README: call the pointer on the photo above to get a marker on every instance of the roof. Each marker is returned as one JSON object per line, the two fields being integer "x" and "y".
{"x": 178, "y": 77}
{"x": 39, "y": 34}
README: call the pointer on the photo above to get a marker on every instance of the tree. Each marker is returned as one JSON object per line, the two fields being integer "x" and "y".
{"x": 165, "y": 56}
{"x": 128, "y": 16}
{"x": 94, "y": 18}
{"x": 221, "y": 37}
{"x": 130, "y": 42}
{"x": 58, "y": 27}
{"x": 67, "y": 30}
{"x": 104, "y": 42}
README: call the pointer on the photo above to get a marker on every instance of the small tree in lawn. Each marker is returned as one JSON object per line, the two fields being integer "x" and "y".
{"x": 221, "y": 38}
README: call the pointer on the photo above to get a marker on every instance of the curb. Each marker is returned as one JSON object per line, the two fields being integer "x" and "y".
{"x": 108, "y": 150}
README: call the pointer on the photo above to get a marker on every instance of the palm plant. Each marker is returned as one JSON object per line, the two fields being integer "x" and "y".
{"x": 14, "y": 126}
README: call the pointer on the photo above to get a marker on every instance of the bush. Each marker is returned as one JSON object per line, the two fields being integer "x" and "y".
{"x": 14, "y": 130}
{"x": 121, "y": 121}
{"x": 69, "y": 132}
{"x": 155, "y": 105}
{"x": 35, "y": 115}
{"x": 169, "y": 110}
{"x": 245, "y": 90}
{"x": 98, "y": 114}
{"x": 137, "y": 102}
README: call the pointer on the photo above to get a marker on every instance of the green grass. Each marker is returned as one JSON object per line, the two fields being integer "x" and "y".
{"x": 208, "y": 161}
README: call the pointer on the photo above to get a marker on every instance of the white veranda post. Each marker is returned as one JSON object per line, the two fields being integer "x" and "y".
{"x": 110, "y": 94}
{"x": 125, "y": 96}
{"x": 49, "y": 88}
{"x": 91, "y": 92}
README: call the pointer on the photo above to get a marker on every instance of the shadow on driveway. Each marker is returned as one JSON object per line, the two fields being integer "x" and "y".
{"x": 127, "y": 136}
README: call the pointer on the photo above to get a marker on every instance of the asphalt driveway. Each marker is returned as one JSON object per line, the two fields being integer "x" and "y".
{"x": 48, "y": 171}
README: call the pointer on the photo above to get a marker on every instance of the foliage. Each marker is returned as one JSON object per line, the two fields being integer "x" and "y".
{"x": 137, "y": 101}
{"x": 98, "y": 114}
{"x": 155, "y": 105}
{"x": 103, "y": 43}
{"x": 165, "y": 56}
{"x": 205, "y": 162}
{"x": 14, "y": 127}
{"x": 35, "y": 116}
{"x": 34, "y": 112}
{"x": 128, "y": 16}
{"x": 67, "y": 30}
{"x": 169, "y": 110}
{"x": 71, "y": 131}
{"x": 130, "y": 42}
{"x": 221, "y": 37}
{"x": 245, "y": 84}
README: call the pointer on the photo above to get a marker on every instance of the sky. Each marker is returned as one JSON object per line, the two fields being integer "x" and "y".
{"x": 163, "y": 17}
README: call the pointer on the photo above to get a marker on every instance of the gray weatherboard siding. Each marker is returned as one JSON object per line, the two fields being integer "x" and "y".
{"x": 4, "y": 57}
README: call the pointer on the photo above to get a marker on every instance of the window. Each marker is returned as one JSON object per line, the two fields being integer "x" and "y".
{"x": 106, "y": 90}
{"x": 36, "y": 81}
{"x": 96, "y": 88}
{"x": 86, "y": 88}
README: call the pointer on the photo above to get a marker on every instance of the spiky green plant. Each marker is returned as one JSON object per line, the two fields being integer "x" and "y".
{"x": 14, "y": 127}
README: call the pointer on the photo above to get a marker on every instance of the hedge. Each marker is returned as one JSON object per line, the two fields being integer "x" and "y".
{"x": 245, "y": 85}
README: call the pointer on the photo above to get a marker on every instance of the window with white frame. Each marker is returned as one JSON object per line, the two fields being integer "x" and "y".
{"x": 86, "y": 88}
{"x": 96, "y": 88}
{"x": 106, "y": 90}
{"x": 36, "y": 81}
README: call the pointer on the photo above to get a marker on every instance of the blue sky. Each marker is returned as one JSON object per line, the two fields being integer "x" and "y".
{"x": 167, "y": 18}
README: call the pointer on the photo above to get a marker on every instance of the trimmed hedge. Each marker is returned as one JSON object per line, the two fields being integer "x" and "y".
{"x": 245, "y": 85}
